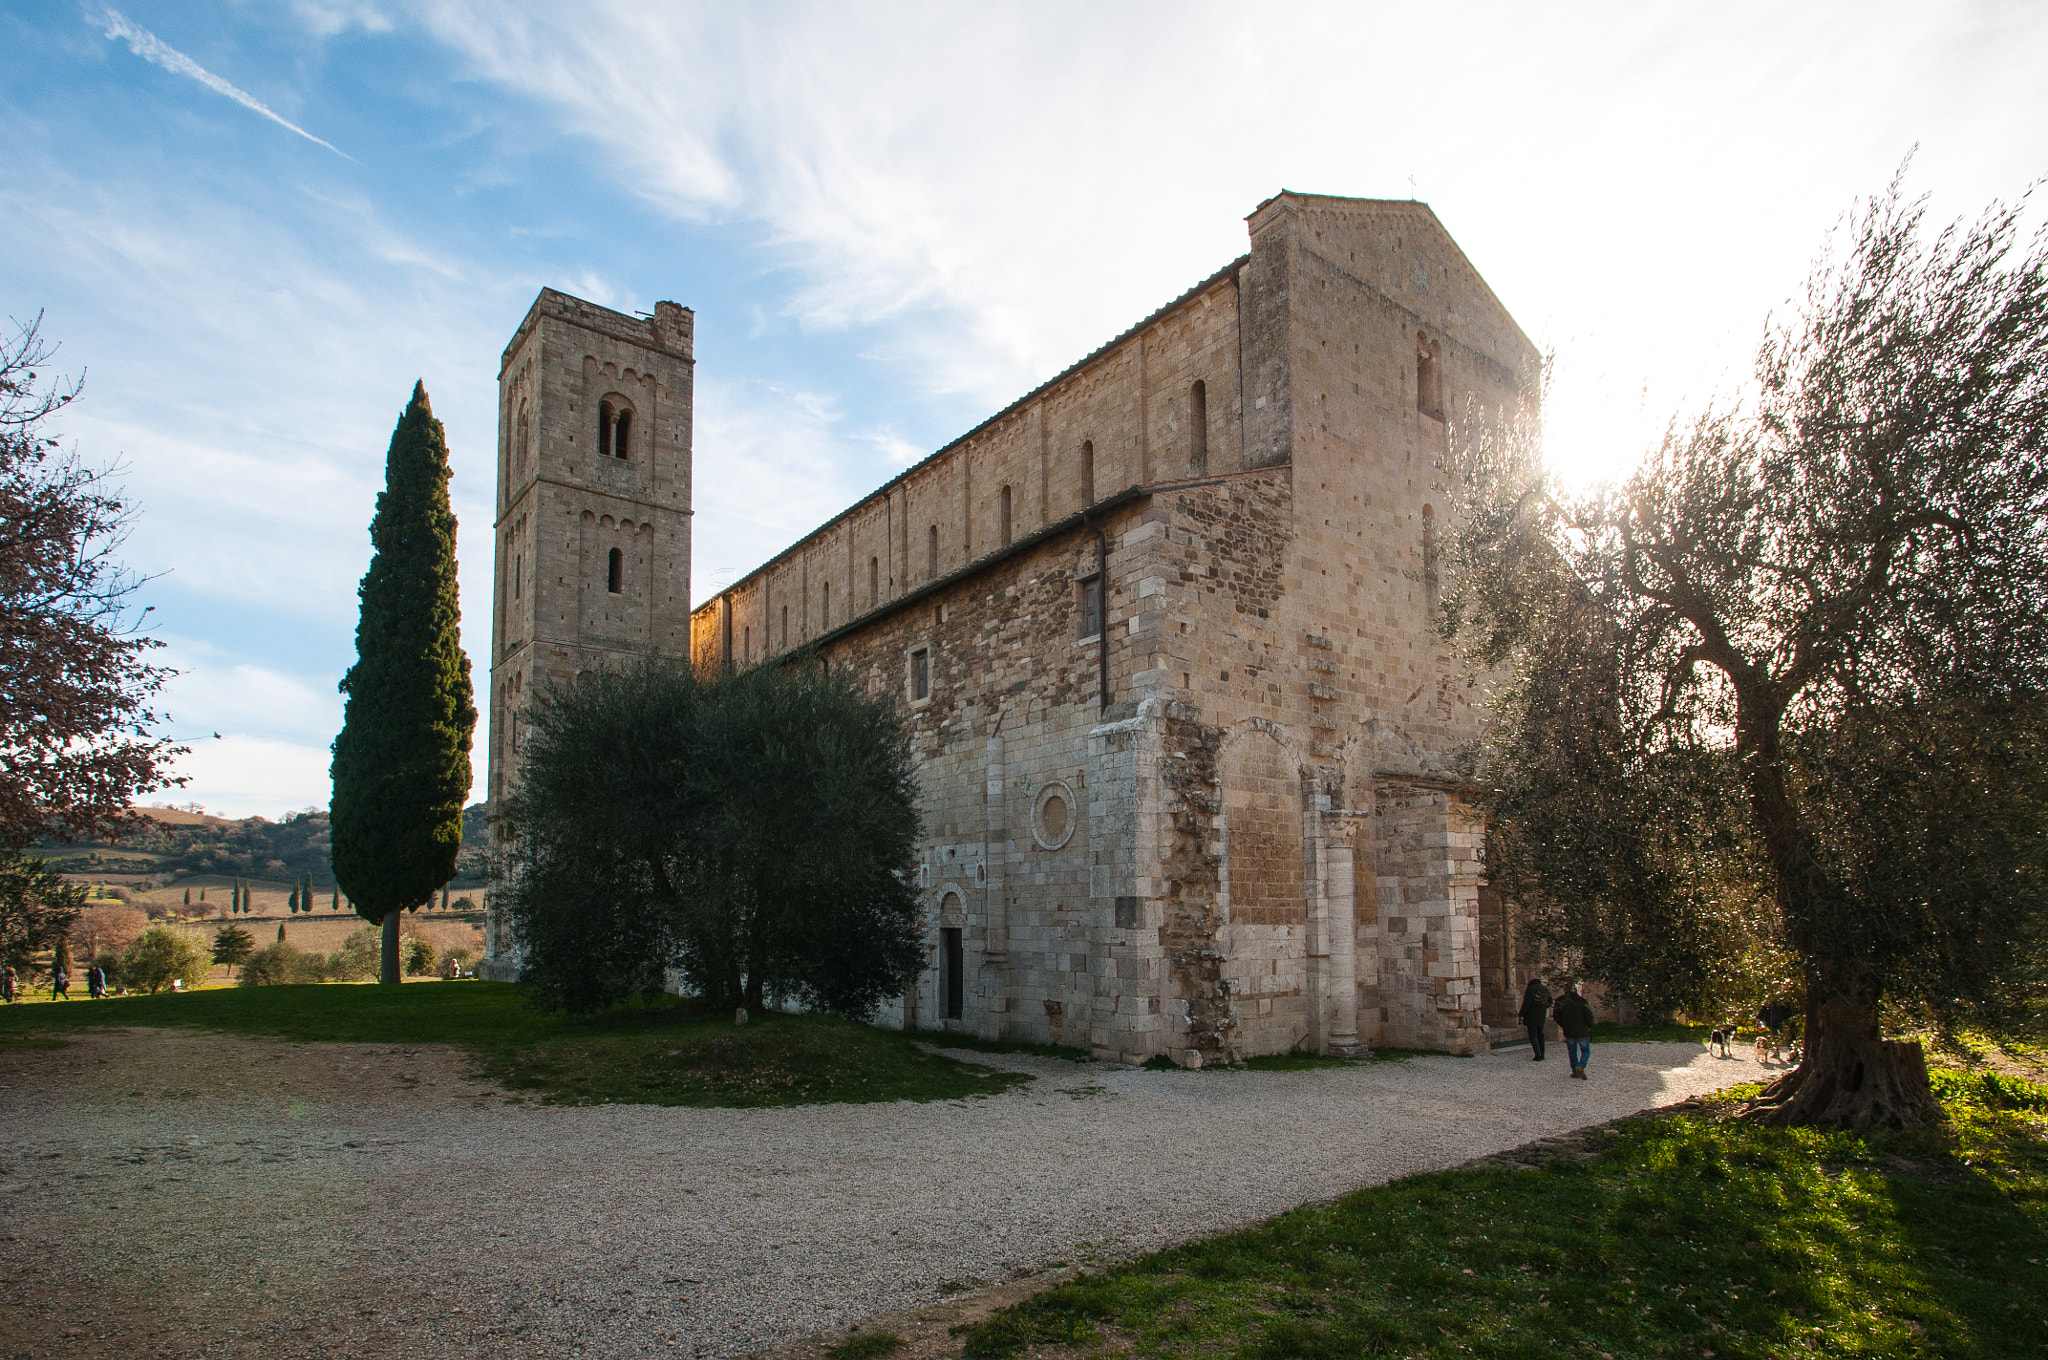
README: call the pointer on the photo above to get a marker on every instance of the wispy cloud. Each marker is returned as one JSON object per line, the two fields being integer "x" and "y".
{"x": 151, "y": 48}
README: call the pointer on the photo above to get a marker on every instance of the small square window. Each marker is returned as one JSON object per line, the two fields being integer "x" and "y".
{"x": 920, "y": 674}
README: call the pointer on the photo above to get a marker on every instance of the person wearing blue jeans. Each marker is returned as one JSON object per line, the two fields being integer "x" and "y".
{"x": 1575, "y": 1018}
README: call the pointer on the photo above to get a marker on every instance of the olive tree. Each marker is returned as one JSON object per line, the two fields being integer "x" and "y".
{"x": 754, "y": 831}
{"x": 1783, "y": 688}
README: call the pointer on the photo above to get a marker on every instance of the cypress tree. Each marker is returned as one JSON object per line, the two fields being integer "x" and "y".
{"x": 334, "y": 902}
{"x": 401, "y": 763}
{"x": 188, "y": 897}
{"x": 291, "y": 904}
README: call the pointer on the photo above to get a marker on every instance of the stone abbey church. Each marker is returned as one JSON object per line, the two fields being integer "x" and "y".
{"x": 1159, "y": 629}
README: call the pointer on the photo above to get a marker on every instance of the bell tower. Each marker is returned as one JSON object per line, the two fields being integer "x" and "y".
{"x": 593, "y": 527}
{"x": 592, "y": 563}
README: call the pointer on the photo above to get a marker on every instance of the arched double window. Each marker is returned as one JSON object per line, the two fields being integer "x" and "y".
{"x": 614, "y": 429}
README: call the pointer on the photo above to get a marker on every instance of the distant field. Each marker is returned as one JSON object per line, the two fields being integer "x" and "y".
{"x": 322, "y": 931}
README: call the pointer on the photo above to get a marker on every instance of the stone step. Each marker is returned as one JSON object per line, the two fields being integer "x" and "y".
{"x": 1507, "y": 1036}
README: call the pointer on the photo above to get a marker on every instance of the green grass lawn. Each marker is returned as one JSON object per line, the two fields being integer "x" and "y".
{"x": 670, "y": 1053}
{"x": 1683, "y": 1236}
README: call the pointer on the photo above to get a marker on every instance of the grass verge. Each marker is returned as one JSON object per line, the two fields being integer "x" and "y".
{"x": 1679, "y": 1236}
{"x": 658, "y": 1054}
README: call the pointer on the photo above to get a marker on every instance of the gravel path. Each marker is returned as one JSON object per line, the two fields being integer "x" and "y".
{"x": 202, "y": 1195}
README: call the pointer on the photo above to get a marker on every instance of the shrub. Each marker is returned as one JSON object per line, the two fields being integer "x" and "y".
{"x": 358, "y": 958}
{"x": 160, "y": 954}
{"x": 281, "y": 963}
{"x": 419, "y": 956}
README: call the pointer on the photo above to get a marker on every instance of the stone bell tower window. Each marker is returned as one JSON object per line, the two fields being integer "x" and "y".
{"x": 874, "y": 581}
{"x": 931, "y": 553}
{"x": 1003, "y": 515}
{"x": 1087, "y": 472}
{"x": 1198, "y": 427}
{"x": 614, "y": 429}
{"x": 615, "y": 572}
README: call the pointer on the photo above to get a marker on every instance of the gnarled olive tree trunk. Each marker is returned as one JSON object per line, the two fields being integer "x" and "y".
{"x": 1849, "y": 1075}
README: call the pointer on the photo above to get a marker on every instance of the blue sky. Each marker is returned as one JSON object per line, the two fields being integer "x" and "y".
{"x": 255, "y": 224}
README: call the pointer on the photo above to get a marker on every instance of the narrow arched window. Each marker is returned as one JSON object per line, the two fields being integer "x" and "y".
{"x": 1429, "y": 575}
{"x": 1003, "y": 515}
{"x": 874, "y": 581}
{"x": 622, "y": 435}
{"x": 825, "y": 605}
{"x": 1087, "y": 472}
{"x": 1429, "y": 393}
{"x": 931, "y": 553}
{"x": 615, "y": 572}
{"x": 516, "y": 575}
{"x": 1198, "y": 427}
{"x": 605, "y": 416}
{"x": 746, "y": 644}
{"x": 785, "y": 627}
{"x": 520, "y": 441}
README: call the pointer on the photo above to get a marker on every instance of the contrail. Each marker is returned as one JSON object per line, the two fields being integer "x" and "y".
{"x": 149, "y": 47}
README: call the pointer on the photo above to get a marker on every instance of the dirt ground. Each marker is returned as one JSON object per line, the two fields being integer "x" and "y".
{"x": 182, "y": 1194}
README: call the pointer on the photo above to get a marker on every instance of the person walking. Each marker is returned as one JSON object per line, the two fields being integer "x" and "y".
{"x": 1575, "y": 1018}
{"x": 1535, "y": 1011}
{"x": 60, "y": 985}
{"x": 96, "y": 982}
{"x": 7, "y": 981}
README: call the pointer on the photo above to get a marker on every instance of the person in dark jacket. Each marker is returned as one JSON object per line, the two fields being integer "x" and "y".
{"x": 1535, "y": 1011}
{"x": 1575, "y": 1018}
